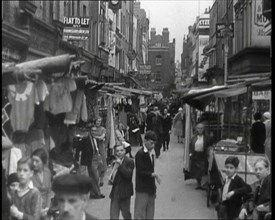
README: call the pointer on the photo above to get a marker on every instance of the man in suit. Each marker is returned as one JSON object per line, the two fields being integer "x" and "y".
{"x": 86, "y": 149}
{"x": 145, "y": 179}
{"x": 122, "y": 185}
{"x": 167, "y": 125}
{"x": 71, "y": 194}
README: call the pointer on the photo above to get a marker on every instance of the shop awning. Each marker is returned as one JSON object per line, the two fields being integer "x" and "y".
{"x": 200, "y": 98}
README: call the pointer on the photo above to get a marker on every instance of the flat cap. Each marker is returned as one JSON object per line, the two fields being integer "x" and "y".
{"x": 74, "y": 183}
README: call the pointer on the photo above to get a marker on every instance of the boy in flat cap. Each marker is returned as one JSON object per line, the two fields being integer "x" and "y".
{"x": 71, "y": 194}
{"x": 233, "y": 190}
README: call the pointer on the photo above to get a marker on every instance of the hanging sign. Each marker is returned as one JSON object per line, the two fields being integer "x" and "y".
{"x": 224, "y": 30}
{"x": 76, "y": 28}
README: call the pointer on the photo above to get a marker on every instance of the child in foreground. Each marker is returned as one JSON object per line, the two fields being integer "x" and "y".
{"x": 233, "y": 191}
{"x": 27, "y": 202}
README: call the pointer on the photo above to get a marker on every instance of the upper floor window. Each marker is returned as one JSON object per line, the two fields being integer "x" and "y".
{"x": 158, "y": 61}
{"x": 158, "y": 77}
{"x": 84, "y": 11}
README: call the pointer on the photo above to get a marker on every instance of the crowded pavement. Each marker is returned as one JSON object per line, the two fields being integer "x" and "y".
{"x": 176, "y": 198}
{"x": 137, "y": 109}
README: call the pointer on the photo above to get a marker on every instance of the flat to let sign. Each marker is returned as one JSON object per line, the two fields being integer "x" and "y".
{"x": 76, "y": 28}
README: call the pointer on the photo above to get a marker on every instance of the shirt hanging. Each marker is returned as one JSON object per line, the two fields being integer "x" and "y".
{"x": 23, "y": 97}
{"x": 79, "y": 109}
{"x": 60, "y": 100}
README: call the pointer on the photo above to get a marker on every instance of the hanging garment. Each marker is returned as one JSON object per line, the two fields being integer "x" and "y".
{"x": 6, "y": 123}
{"x": 22, "y": 97}
{"x": 60, "y": 99}
{"x": 15, "y": 155}
{"x": 79, "y": 110}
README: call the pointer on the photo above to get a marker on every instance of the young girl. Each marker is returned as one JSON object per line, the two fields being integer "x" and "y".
{"x": 42, "y": 178}
{"x": 261, "y": 193}
{"x": 27, "y": 199}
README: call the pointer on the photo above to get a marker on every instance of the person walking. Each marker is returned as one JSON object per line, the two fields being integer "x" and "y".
{"x": 178, "y": 122}
{"x": 100, "y": 135}
{"x": 157, "y": 127}
{"x": 198, "y": 154}
{"x": 145, "y": 179}
{"x": 71, "y": 196}
{"x": 86, "y": 155}
{"x": 122, "y": 185}
{"x": 258, "y": 134}
{"x": 167, "y": 124}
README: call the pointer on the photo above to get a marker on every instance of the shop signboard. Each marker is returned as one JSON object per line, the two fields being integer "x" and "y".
{"x": 76, "y": 28}
{"x": 261, "y": 95}
{"x": 224, "y": 30}
{"x": 145, "y": 69}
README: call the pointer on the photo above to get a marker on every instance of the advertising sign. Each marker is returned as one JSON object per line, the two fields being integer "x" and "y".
{"x": 76, "y": 28}
{"x": 203, "y": 59}
{"x": 145, "y": 69}
{"x": 224, "y": 30}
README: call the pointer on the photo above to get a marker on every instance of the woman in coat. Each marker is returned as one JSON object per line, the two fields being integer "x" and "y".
{"x": 198, "y": 154}
{"x": 178, "y": 125}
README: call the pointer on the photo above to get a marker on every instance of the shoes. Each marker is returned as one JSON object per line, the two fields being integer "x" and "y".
{"x": 101, "y": 196}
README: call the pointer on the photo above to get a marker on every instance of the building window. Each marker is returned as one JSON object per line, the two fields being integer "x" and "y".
{"x": 84, "y": 11}
{"x": 158, "y": 61}
{"x": 78, "y": 8}
{"x": 158, "y": 77}
{"x": 72, "y": 8}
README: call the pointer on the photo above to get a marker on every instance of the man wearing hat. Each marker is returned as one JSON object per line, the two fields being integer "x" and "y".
{"x": 71, "y": 194}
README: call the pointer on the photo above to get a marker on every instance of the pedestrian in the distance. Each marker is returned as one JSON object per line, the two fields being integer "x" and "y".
{"x": 198, "y": 154}
{"x": 100, "y": 135}
{"x": 258, "y": 134}
{"x": 178, "y": 122}
{"x": 71, "y": 195}
{"x": 122, "y": 185}
{"x": 145, "y": 179}
{"x": 157, "y": 127}
{"x": 167, "y": 124}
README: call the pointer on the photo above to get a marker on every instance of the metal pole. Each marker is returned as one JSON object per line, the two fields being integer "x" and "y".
{"x": 225, "y": 59}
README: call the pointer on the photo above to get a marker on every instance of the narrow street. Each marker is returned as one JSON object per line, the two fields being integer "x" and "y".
{"x": 176, "y": 198}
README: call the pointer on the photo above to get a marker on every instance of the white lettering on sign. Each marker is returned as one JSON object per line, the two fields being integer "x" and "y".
{"x": 261, "y": 95}
{"x": 204, "y": 22}
{"x": 76, "y": 22}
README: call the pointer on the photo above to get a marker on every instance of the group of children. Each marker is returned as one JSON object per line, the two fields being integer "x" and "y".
{"x": 239, "y": 200}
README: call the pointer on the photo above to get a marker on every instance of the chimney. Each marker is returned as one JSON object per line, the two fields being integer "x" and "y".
{"x": 165, "y": 37}
{"x": 153, "y": 36}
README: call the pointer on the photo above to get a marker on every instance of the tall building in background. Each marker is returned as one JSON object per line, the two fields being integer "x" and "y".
{"x": 162, "y": 61}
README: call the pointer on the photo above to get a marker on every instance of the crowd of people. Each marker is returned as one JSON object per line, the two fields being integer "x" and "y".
{"x": 35, "y": 192}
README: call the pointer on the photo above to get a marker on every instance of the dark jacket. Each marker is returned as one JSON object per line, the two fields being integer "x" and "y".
{"x": 258, "y": 137}
{"x": 234, "y": 204}
{"x": 167, "y": 124}
{"x": 83, "y": 145}
{"x": 151, "y": 117}
{"x": 123, "y": 179}
{"x": 144, "y": 168}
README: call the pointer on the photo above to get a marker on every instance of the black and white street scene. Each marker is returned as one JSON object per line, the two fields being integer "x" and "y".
{"x": 136, "y": 109}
